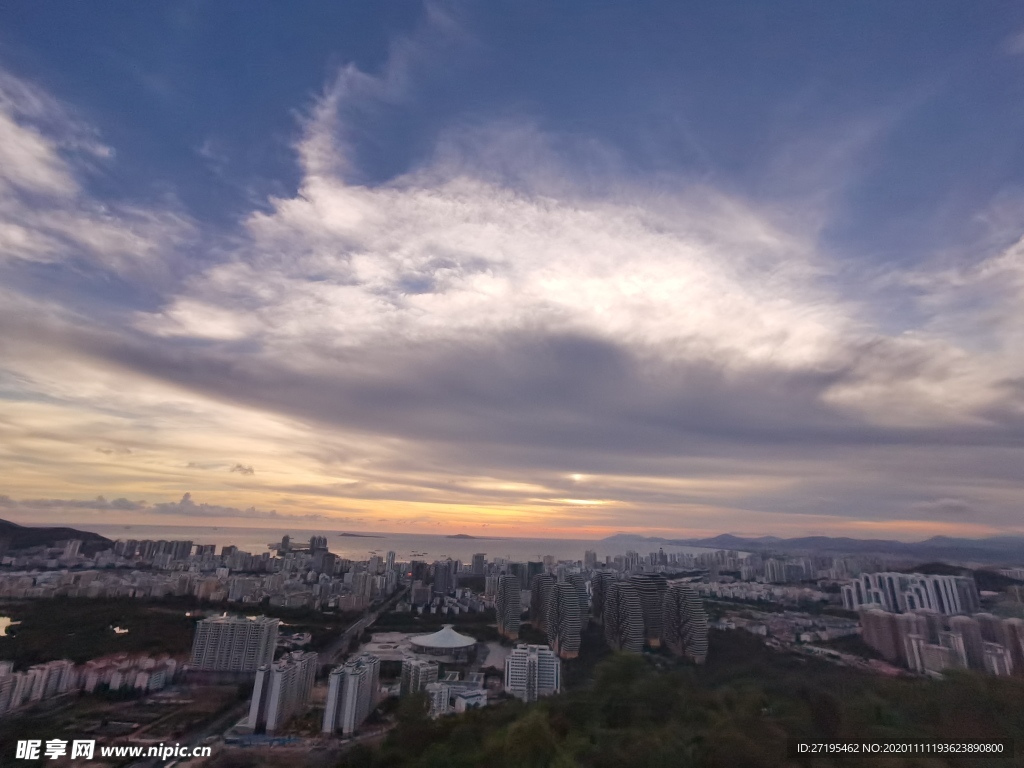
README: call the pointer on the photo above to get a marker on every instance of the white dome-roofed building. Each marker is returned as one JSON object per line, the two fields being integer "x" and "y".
{"x": 445, "y": 642}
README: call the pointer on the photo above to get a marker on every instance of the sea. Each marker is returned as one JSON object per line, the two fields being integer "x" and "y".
{"x": 406, "y": 546}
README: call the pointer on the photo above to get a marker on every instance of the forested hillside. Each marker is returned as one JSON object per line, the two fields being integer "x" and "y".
{"x": 737, "y": 710}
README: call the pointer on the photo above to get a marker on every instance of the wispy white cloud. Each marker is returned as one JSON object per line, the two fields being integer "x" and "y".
{"x": 45, "y": 213}
{"x": 1014, "y": 44}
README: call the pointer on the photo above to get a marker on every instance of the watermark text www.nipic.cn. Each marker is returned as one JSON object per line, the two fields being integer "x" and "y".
{"x": 82, "y": 749}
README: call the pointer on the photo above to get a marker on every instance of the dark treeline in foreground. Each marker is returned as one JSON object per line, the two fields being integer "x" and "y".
{"x": 84, "y": 628}
{"x": 737, "y": 710}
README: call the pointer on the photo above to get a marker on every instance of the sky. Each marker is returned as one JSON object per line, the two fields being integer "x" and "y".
{"x": 531, "y": 268}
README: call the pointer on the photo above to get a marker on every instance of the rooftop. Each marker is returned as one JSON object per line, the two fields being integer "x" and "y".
{"x": 446, "y": 637}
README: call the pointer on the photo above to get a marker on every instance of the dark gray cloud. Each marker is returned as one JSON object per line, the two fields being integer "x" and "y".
{"x": 537, "y": 406}
{"x": 98, "y": 503}
{"x": 189, "y": 508}
{"x": 242, "y": 469}
{"x": 185, "y": 507}
{"x": 951, "y": 508}
{"x": 559, "y": 392}
{"x": 540, "y": 406}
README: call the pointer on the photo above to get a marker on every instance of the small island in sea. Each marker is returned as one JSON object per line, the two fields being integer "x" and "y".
{"x": 361, "y": 535}
{"x": 460, "y": 536}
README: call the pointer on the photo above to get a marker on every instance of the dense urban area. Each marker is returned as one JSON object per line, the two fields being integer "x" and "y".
{"x": 295, "y": 653}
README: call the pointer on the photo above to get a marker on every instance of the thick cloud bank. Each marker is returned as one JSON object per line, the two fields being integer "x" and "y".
{"x": 457, "y": 345}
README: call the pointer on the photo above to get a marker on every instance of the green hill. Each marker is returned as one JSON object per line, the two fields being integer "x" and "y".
{"x": 738, "y": 710}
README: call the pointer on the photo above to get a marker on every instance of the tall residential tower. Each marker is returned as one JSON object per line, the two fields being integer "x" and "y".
{"x": 351, "y": 694}
{"x": 685, "y": 623}
{"x": 508, "y": 606}
{"x": 234, "y": 643}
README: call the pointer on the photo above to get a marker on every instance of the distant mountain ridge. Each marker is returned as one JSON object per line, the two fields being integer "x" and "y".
{"x": 23, "y": 536}
{"x": 993, "y": 548}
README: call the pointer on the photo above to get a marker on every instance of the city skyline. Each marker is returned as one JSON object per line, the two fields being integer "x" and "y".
{"x": 674, "y": 271}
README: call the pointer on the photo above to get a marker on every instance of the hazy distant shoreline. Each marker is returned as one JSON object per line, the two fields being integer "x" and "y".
{"x": 407, "y": 546}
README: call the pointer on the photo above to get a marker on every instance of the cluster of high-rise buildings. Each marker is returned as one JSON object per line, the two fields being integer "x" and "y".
{"x": 766, "y": 592}
{"x": 636, "y": 609}
{"x": 930, "y": 642}
{"x": 307, "y": 578}
{"x": 930, "y": 623}
{"x": 788, "y": 627}
{"x": 352, "y": 694}
{"x": 41, "y": 681}
{"x": 244, "y": 647}
{"x": 927, "y": 623}
{"x": 903, "y": 592}
{"x": 281, "y": 690}
{"x": 453, "y": 693}
{"x": 792, "y": 569}
{"x": 647, "y": 609}
{"x": 122, "y": 670}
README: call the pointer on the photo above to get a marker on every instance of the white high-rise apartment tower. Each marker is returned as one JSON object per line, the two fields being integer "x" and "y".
{"x": 234, "y": 643}
{"x": 282, "y": 690}
{"x": 351, "y": 694}
{"x": 532, "y": 671}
